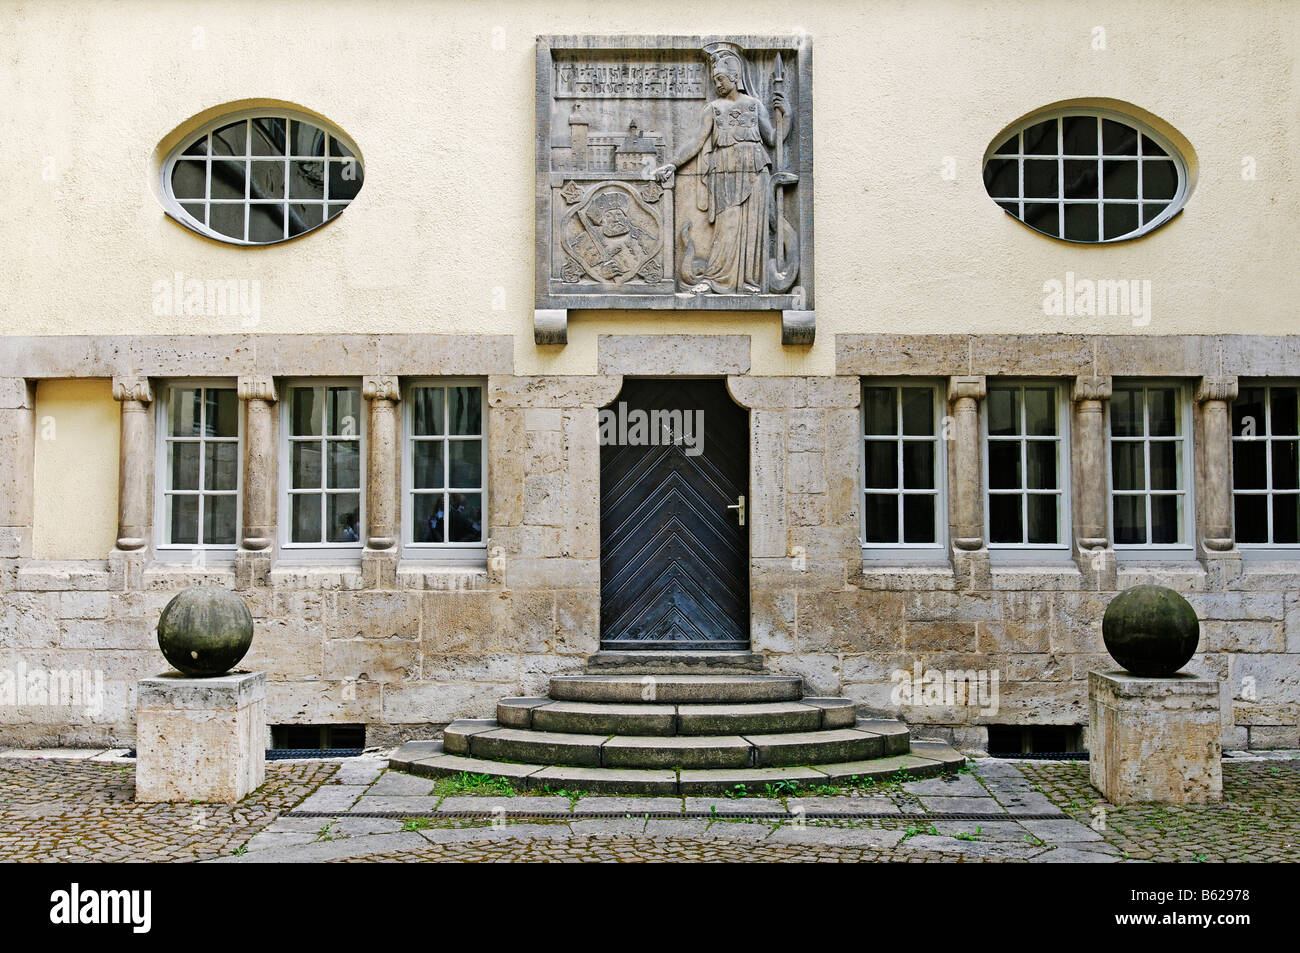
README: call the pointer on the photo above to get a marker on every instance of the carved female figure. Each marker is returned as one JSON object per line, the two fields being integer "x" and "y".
{"x": 735, "y": 178}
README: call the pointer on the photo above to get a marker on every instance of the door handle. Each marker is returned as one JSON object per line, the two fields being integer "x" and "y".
{"x": 739, "y": 506}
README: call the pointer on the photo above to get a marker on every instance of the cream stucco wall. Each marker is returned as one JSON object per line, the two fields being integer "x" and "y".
{"x": 439, "y": 97}
{"x": 75, "y": 472}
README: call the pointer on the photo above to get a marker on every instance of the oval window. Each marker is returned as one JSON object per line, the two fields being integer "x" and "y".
{"x": 256, "y": 178}
{"x": 1086, "y": 176}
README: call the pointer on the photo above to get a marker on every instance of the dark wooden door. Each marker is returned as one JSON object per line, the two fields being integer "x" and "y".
{"x": 674, "y": 560}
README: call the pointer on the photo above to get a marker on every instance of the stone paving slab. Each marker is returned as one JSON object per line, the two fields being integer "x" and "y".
{"x": 62, "y": 754}
{"x": 547, "y": 832}
{"x": 353, "y": 826}
{"x": 334, "y": 849}
{"x": 842, "y": 805}
{"x": 409, "y": 804}
{"x": 608, "y": 827}
{"x": 979, "y": 848}
{"x": 333, "y": 798}
{"x": 962, "y": 805}
{"x": 402, "y": 785}
{"x": 363, "y": 771}
{"x": 691, "y": 828}
{"x": 629, "y": 805}
{"x": 1006, "y": 831}
{"x": 517, "y": 804}
{"x": 836, "y": 836}
{"x": 952, "y": 785}
{"x": 1072, "y": 855}
{"x": 1067, "y": 831}
{"x": 735, "y": 806}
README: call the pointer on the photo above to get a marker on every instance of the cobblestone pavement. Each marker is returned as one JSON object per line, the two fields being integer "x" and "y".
{"x": 83, "y": 810}
{"x": 357, "y": 811}
{"x": 1259, "y": 819}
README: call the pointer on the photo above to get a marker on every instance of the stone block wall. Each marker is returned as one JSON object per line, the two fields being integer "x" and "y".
{"x": 404, "y": 646}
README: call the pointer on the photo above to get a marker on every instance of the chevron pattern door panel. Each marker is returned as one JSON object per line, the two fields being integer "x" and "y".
{"x": 674, "y": 561}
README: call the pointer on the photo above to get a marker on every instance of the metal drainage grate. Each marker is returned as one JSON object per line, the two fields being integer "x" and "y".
{"x": 687, "y": 815}
{"x": 1041, "y": 755}
{"x": 285, "y": 754}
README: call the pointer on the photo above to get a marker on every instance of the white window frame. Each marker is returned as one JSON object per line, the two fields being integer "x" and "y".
{"x": 475, "y": 553}
{"x": 1182, "y": 190}
{"x": 321, "y": 551}
{"x": 164, "y": 549}
{"x": 1270, "y": 548}
{"x": 175, "y": 206}
{"x": 1063, "y": 549}
{"x": 902, "y": 552}
{"x": 1154, "y": 551}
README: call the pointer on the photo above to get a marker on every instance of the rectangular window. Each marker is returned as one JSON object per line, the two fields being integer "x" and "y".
{"x": 199, "y": 461}
{"x": 1266, "y": 465}
{"x": 1149, "y": 466}
{"x": 1025, "y": 466}
{"x": 445, "y": 467}
{"x": 324, "y": 472}
{"x": 902, "y": 467}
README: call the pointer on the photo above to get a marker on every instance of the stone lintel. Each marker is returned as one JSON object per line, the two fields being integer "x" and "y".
{"x": 672, "y": 354}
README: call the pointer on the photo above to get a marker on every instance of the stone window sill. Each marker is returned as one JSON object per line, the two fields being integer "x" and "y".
{"x": 67, "y": 574}
{"x": 904, "y": 577}
{"x": 413, "y": 574}
{"x": 316, "y": 576}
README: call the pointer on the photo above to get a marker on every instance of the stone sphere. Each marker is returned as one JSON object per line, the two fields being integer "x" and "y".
{"x": 1150, "y": 630}
{"x": 205, "y": 631}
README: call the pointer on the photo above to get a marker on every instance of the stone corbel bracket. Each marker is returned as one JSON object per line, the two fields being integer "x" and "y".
{"x": 551, "y": 326}
{"x": 798, "y": 327}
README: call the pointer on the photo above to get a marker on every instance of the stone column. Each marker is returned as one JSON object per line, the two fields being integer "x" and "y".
{"x": 379, "y": 558}
{"x": 253, "y": 558}
{"x": 1093, "y": 550}
{"x": 969, "y": 552}
{"x": 136, "y": 463}
{"x": 17, "y": 448}
{"x": 1213, "y": 457}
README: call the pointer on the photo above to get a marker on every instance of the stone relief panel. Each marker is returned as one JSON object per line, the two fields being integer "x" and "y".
{"x": 674, "y": 173}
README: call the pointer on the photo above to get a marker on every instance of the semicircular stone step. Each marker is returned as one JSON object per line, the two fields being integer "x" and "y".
{"x": 429, "y": 759}
{"x": 677, "y": 689}
{"x": 488, "y": 740}
{"x": 614, "y": 718}
{"x": 605, "y": 718}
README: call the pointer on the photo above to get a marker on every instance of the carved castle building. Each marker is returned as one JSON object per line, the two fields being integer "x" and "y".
{"x": 346, "y": 347}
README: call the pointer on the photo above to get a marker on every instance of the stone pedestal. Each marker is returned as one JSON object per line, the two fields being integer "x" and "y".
{"x": 200, "y": 739}
{"x": 1155, "y": 739}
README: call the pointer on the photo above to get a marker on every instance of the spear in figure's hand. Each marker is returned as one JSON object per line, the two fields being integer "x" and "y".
{"x": 783, "y": 266}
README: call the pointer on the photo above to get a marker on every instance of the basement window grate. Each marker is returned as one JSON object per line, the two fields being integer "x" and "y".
{"x": 1042, "y": 742}
{"x": 316, "y": 741}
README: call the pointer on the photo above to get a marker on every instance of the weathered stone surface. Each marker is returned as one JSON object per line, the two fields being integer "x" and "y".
{"x": 200, "y": 739}
{"x": 672, "y": 354}
{"x": 1155, "y": 739}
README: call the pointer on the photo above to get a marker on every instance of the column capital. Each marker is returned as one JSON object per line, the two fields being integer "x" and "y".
{"x": 135, "y": 389}
{"x": 1216, "y": 388}
{"x": 257, "y": 388}
{"x": 969, "y": 387}
{"x": 381, "y": 387}
{"x": 1090, "y": 388}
